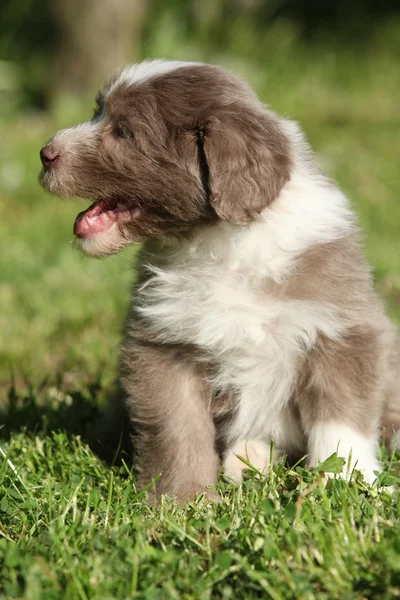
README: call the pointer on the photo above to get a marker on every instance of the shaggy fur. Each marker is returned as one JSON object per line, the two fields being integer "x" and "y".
{"x": 255, "y": 317}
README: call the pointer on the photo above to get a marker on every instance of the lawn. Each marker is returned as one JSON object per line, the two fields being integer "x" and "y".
{"x": 72, "y": 526}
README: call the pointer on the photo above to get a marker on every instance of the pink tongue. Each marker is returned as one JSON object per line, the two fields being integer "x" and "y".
{"x": 94, "y": 220}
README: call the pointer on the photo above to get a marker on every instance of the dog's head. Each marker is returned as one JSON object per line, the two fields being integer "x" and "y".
{"x": 170, "y": 147}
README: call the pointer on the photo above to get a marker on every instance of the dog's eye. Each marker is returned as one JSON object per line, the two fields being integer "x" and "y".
{"x": 122, "y": 131}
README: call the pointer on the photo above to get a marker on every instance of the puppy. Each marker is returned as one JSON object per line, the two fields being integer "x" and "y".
{"x": 254, "y": 318}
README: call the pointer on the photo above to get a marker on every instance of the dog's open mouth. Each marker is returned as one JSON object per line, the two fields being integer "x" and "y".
{"x": 102, "y": 215}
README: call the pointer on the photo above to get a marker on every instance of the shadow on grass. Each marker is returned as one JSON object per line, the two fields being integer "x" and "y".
{"x": 43, "y": 409}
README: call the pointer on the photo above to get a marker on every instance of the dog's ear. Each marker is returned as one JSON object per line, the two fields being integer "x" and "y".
{"x": 248, "y": 162}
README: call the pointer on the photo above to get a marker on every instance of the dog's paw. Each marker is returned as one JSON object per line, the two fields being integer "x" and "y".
{"x": 255, "y": 452}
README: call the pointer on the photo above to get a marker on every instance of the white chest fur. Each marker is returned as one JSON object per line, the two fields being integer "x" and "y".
{"x": 213, "y": 293}
{"x": 254, "y": 339}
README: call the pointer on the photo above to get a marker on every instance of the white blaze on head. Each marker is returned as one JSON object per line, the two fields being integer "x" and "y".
{"x": 148, "y": 69}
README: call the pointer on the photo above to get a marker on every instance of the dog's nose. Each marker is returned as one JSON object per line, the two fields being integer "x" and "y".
{"x": 49, "y": 154}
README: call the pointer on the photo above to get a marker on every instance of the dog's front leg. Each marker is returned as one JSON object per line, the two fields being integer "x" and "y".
{"x": 168, "y": 402}
{"x": 342, "y": 403}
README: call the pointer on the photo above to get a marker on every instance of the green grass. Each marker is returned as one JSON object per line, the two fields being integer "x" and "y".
{"x": 73, "y": 527}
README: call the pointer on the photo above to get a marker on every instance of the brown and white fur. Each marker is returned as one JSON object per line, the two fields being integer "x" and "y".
{"x": 255, "y": 317}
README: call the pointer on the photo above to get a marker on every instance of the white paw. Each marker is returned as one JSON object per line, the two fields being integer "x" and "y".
{"x": 255, "y": 452}
{"x": 358, "y": 451}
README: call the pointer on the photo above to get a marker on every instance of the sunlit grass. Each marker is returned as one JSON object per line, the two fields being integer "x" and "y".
{"x": 72, "y": 528}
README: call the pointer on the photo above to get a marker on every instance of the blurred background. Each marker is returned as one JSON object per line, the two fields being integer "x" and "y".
{"x": 334, "y": 66}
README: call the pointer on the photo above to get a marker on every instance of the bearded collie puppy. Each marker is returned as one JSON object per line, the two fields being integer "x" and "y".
{"x": 254, "y": 318}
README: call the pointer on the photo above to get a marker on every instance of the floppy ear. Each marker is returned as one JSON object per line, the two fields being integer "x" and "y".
{"x": 248, "y": 162}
